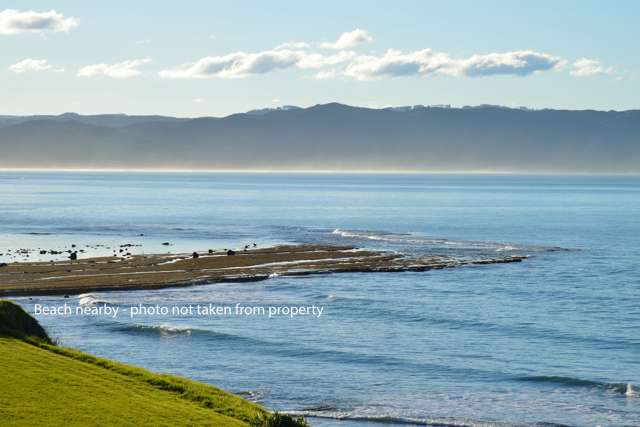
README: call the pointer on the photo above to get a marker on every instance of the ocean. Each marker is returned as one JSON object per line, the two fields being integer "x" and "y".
{"x": 553, "y": 340}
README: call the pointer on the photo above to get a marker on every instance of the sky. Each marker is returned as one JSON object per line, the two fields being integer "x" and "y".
{"x": 208, "y": 58}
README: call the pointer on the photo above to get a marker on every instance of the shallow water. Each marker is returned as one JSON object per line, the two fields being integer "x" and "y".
{"x": 551, "y": 340}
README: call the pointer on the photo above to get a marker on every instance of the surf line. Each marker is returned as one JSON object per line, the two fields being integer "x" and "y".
{"x": 80, "y": 310}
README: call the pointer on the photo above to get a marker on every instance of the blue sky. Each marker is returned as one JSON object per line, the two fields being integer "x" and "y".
{"x": 215, "y": 58}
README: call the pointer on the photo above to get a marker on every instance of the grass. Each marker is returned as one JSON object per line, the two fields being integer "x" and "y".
{"x": 42, "y": 384}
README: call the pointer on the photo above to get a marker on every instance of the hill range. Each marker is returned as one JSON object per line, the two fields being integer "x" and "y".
{"x": 333, "y": 137}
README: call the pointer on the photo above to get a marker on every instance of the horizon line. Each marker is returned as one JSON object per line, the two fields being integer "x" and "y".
{"x": 317, "y": 171}
{"x": 283, "y": 108}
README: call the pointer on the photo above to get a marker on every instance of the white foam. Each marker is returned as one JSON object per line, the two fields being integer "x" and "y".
{"x": 630, "y": 391}
{"x": 173, "y": 329}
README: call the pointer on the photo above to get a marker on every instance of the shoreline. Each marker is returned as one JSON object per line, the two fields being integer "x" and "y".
{"x": 141, "y": 272}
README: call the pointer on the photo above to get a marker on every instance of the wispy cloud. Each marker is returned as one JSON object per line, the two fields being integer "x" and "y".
{"x": 242, "y": 64}
{"x": 395, "y": 63}
{"x": 30, "y": 65}
{"x": 349, "y": 40}
{"x": 234, "y": 65}
{"x": 293, "y": 45}
{"x": 120, "y": 70}
{"x": 584, "y": 67}
{"x": 318, "y": 60}
{"x": 347, "y": 63}
{"x": 327, "y": 74}
{"x": 519, "y": 63}
{"x": 16, "y": 22}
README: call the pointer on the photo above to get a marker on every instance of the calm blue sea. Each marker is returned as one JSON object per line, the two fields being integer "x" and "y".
{"x": 554, "y": 340}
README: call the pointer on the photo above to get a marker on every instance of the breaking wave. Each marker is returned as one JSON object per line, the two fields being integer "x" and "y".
{"x": 163, "y": 329}
{"x": 91, "y": 299}
{"x": 411, "y": 239}
{"x": 622, "y": 388}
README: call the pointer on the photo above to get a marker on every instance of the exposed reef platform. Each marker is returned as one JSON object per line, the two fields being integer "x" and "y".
{"x": 171, "y": 270}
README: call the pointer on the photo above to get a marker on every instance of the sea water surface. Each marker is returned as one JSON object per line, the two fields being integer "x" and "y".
{"x": 554, "y": 340}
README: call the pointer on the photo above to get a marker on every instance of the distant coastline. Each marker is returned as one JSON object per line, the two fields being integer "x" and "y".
{"x": 333, "y": 137}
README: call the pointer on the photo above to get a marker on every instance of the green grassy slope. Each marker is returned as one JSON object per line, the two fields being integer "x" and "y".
{"x": 45, "y": 385}
{"x": 42, "y": 388}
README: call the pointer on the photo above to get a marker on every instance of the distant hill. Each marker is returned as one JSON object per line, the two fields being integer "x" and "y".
{"x": 109, "y": 120}
{"x": 333, "y": 137}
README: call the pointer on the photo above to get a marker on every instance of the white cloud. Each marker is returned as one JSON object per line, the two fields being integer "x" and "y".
{"x": 584, "y": 67}
{"x": 198, "y": 100}
{"x": 349, "y": 39}
{"x": 120, "y": 70}
{"x": 395, "y": 63}
{"x": 292, "y": 45}
{"x": 318, "y": 60}
{"x": 326, "y": 74}
{"x": 16, "y": 22}
{"x": 242, "y": 64}
{"x": 519, "y": 63}
{"x": 392, "y": 63}
{"x": 27, "y": 65}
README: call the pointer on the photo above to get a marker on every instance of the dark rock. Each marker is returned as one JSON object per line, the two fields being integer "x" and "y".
{"x": 231, "y": 252}
{"x": 166, "y": 243}
{"x": 195, "y": 255}
{"x": 73, "y": 256}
